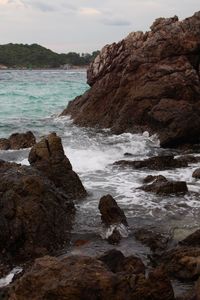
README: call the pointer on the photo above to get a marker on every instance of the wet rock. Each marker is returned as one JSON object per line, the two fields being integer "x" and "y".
{"x": 154, "y": 163}
{"x": 154, "y": 240}
{"x": 18, "y": 141}
{"x": 189, "y": 159}
{"x": 49, "y": 158}
{"x": 128, "y": 154}
{"x": 117, "y": 262}
{"x": 35, "y": 216}
{"x": 111, "y": 213}
{"x": 115, "y": 237}
{"x": 147, "y": 82}
{"x": 182, "y": 262}
{"x": 196, "y": 173}
{"x": 162, "y": 186}
{"x": 86, "y": 278}
{"x": 193, "y": 240}
{"x": 151, "y": 178}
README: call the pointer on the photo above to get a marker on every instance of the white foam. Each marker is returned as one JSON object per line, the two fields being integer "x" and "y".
{"x": 9, "y": 278}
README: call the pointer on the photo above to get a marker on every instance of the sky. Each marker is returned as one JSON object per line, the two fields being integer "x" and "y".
{"x": 83, "y": 25}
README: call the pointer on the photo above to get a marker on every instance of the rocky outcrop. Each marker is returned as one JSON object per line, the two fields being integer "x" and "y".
{"x": 35, "y": 217}
{"x": 148, "y": 81}
{"x": 154, "y": 163}
{"x": 18, "y": 141}
{"x": 86, "y": 278}
{"x": 36, "y": 208}
{"x": 162, "y": 186}
{"x": 49, "y": 158}
{"x": 196, "y": 173}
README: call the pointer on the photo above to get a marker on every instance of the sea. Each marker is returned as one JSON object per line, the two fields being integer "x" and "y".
{"x": 33, "y": 100}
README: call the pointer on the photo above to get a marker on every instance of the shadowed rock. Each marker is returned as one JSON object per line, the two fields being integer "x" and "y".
{"x": 18, "y": 141}
{"x": 85, "y": 278}
{"x": 192, "y": 240}
{"x": 49, "y": 158}
{"x": 196, "y": 173}
{"x": 154, "y": 163}
{"x": 111, "y": 213}
{"x": 147, "y": 82}
{"x": 162, "y": 186}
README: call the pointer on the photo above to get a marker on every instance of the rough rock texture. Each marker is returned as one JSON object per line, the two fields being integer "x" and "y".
{"x": 154, "y": 240}
{"x": 111, "y": 213}
{"x": 35, "y": 217}
{"x": 85, "y": 278}
{"x": 192, "y": 240}
{"x": 154, "y": 163}
{"x": 18, "y": 141}
{"x": 182, "y": 262}
{"x": 49, "y": 158}
{"x": 196, "y": 173}
{"x": 161, "y": 186}
{"x": 148, "y": 81}
{"x": 117, "y": 262}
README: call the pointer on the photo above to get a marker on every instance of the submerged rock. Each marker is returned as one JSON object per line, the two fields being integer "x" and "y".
{"x": 49, "y": 158}
{"x": 154, "y": 163}
{"x": 147, "y": 82}
{"x": 162, "y": 186}
{"x": 85, "y": 278}
{"x": 18, "y": 141}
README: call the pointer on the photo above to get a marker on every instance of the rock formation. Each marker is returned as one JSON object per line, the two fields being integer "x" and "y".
{"x": 36, "y": 208}
{"x": 49, "y": 158}
{"x": 148, "y": 81}
{"x": 18, "y": 141}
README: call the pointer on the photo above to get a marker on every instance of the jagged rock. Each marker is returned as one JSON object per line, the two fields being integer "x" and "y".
{"x": 148, "y": 81}
{"x": 117, "y": 262}
{"x": 154, "y": 240}
{"x": 193, "y": 240}
{"x": 162, "y": 186}
{"x": 35, "y": 217}
{"x": 196, "y": 173}
{"x": 151, "y": 178}
{"x": 154, "y": 163}
{"x": 49, "y": 158}
{"x": 182, "y": 262}
{"x": 85, "y": 278}
{"x": 18, "y": 141}
{"x": 111, "y": 213}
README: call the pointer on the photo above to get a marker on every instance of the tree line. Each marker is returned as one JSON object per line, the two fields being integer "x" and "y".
{"x": 36, "y": 56}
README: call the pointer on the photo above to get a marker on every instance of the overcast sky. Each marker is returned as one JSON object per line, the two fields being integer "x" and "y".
{"x": 83, "y": 25}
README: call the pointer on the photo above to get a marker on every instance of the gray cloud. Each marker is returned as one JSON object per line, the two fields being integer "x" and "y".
{"x": 116, "y": 22}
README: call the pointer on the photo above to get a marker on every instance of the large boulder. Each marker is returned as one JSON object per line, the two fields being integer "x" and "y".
{"x": 18, "y": 141}
{"x": 85, "y": 278}
{"x": 147, "y": 81}
{"x": 35, "y": 217}
{"x": 49, "y": 158}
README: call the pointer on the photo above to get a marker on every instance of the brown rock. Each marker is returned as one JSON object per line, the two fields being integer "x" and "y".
{"x": 154, "y": 240}
{"x": 35, "y": 217}
{"x": 18, "y": 141}
{"x": 193, "y": 240}
{"x": 182, "y": 262}
{"x": 117, "y": 262}
{"x": 196, "y": 173}
{"x": 154, "y": 163}
{"x": 85, "y": 278}
{"x": 162, "y": 186}
{"x": 111, "y": 213}
{"x": 49, "y": 158}
{"x": 148, "y": 81}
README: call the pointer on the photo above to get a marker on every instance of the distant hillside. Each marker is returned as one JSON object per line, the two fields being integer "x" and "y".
{"x": 36, "y": 56}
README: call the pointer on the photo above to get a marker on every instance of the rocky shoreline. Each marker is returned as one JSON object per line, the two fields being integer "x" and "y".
{"x": 146, "y": 82}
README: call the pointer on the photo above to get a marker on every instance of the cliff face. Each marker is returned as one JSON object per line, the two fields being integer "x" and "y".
{"x": 148, "y": 81}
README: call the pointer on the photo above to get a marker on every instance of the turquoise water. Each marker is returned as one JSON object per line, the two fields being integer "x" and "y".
{"x": 27, "y": 98}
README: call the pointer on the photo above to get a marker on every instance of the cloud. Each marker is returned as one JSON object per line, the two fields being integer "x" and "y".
{"x": 89, "y": 11}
